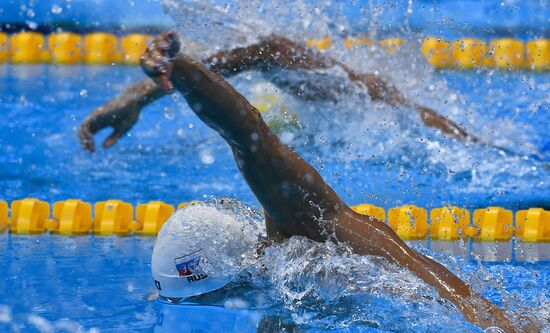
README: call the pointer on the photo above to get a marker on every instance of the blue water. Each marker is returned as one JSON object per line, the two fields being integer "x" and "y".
{"x": 90, "y": 283}
{"x": 171, "y": 156}
{"x": 104, "y": 283}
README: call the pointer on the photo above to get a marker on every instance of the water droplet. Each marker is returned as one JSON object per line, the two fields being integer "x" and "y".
{"x": 169, "y": 114}
{"x": 32, "y": 25}
{"x": 57, "y": 9}
{"x": 206, "y": 157}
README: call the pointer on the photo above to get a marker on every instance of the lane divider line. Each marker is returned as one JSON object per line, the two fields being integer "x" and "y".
{"x": 116, "y": 217}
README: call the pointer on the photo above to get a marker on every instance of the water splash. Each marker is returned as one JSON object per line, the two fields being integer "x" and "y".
{"x": 326, "y": 286}
{"x": 372, "y": 132}
{"x": 33, "y": 322}
{"x": 218, "y": 25}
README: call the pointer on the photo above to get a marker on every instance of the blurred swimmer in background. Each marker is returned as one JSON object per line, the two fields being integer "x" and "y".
{"x": 272, "y": 56}
{"x": 295, "y": 198}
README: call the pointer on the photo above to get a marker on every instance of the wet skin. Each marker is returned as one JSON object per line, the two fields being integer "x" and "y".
{"x": 271, "y": 54}
{"x": 295, "y": 198}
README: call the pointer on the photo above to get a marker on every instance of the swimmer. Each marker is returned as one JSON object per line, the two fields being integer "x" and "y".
{"x": 269, "y": 56}
{"x": 295, "y": 198}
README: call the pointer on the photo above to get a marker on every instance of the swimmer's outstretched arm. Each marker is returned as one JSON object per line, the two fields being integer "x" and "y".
{"x": 123, "y": 112}
{"x": 120, "y": 113}
{"x": 296, "y": 200}
{"x": 383, "y": 91}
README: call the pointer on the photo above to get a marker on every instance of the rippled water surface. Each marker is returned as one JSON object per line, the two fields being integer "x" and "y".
{"x": 368, "y": 151}
{"x": 53, "y": 283}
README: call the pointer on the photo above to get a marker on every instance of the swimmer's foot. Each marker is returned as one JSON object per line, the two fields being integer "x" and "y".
{"x": 158, "y": 59}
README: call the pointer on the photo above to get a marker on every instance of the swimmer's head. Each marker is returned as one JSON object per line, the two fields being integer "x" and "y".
{"x": 201, "y": 248}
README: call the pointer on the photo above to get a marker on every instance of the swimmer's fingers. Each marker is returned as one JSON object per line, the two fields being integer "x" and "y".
{"x": 157, "y": 61}
{"x": 159, "y": 69}
{"x": 121, "y": 127}
{"x": 163, "y": 80}
{"x": 96, "y": 121}
{"x": 170, "y": 43}
{"x": 445, "y": 125}
{"x": 112, "y": 139}
{"x": 86, "y": 137}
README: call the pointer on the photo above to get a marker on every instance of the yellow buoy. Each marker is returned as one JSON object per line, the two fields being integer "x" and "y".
{"x": 377, "y": 212}
{"x": 437, "y": 51}
{"x": 348, "y": 42}
{"x": 271, "y": 104}
{"x": 533, "y": 225}
{"x": 391, "y": 45}
{"x": 100, "y": 48}
{"x": 133, "y": 47}
{"x": 28, "y": 48}
{"x": 151, "y": 216}
{"x": 321, "y": 44}
{"x": 113, "y": 217}
{"x": 185, "y": 204}
{"x": 3, "y": 215}
{"x": 469, "y": 53}
{"x": 45, "y": 56}
{"x": 494, "y": 223}
{"x": 4, "y": 47}
{"x": 358, "y": 41}
{"x": 538, "y": 54}
{"x": 508, "y": 53}
{"x": 72, "y": 217}
{"x": 66, "y": 48}
{"x": 409, "y": 222}
{"x": 447, "y": 223}
{"x": 29, "y": 216}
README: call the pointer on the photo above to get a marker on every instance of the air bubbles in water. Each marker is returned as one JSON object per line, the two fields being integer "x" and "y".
{"x": 206, "y": 156}
{"x": 5, "y": 314}
{"x": 169, "y": 114}
{"x": 56, "y": 9}
{"x": 236, "y": 303}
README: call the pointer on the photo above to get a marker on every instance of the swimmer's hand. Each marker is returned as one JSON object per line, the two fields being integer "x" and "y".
{"x": 158, "y": 59}
{"x": 121, "y": 114}
{"x": 444, "y": 124}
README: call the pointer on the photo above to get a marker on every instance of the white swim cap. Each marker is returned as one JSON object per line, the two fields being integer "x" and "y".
{"x": 199, "y": 249}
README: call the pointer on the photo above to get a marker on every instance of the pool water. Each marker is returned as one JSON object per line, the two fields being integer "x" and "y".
{"x": 90, "y": 284}
{"x": 369, "y": 153}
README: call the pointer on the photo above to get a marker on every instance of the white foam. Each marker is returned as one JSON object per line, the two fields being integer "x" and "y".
{"x": 366, "y": 128}
{"x": 5, "y": 314}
